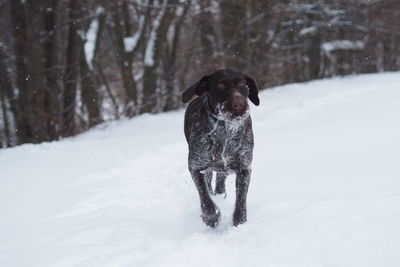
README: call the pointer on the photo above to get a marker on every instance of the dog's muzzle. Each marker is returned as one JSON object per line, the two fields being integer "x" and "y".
{"x": 236, "y": 104}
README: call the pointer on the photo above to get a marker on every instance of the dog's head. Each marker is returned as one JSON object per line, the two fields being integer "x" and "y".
{"x": 227, "y": 92}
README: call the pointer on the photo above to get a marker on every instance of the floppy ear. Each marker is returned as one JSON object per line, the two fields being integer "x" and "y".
{"x": 253, "y": 90}
{"x": 196, "y": 89}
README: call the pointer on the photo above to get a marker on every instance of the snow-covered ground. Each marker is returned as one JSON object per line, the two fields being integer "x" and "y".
{"x": 325, "y": 189}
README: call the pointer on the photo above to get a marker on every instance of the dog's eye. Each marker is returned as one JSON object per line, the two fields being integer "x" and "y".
{"x": 242, "y": 83}
{"x": 220, "y": 86}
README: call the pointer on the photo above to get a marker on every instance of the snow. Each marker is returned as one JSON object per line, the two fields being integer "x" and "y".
{"x": 131, "y": 41}
{"x": 328, "y": 47}
{"x": 90, "y": 43}
{"x": 149, "y": 52}
{"x": 308, "y": 30}
{"x": 90, "y": 38}
{"x": 325, "y": 188}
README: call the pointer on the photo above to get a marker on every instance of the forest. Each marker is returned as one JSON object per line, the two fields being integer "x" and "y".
{"x": 68, "y": 65}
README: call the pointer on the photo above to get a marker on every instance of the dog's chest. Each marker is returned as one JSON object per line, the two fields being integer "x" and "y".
{"x": 222, "y": 145}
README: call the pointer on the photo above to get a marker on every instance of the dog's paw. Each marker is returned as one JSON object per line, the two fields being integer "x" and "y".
{"x": 220, "y": 195}
{"x": 212, "y": 219}
{"x": 219, "y": 191}
{"x": 239, "y": 217}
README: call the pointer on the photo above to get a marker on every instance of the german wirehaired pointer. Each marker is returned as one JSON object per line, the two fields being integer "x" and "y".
{"x": 220, "y": 138}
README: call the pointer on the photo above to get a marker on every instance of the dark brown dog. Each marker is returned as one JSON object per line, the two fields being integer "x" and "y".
{"x": 220, "y": 137}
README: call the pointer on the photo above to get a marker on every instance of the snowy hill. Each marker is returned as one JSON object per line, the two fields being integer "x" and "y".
{"x": 325, "y": 188}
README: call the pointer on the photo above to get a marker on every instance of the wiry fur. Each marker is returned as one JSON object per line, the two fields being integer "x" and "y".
{"x": 221, "y": 141}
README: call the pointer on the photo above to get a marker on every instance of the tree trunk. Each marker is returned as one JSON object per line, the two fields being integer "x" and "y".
{"x": 90, "y": 96}
{"x": 124, "y": 59}
{"x": 23, "y": 127}
{"x": 206, "y": 28}
{"x": 52, "y": 88}
{"x": 157, "y": 42}
{"x": 233, "y": 14}
{"x": 36, "y": 70}
{"x": 6, "y": 123}
{"x": 173, "y": 98}
{"x": 7, "y": 97}
{"x": 71, "y": 72}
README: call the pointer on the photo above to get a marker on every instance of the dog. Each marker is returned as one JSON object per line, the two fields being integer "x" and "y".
{"x": 218, "y": 130}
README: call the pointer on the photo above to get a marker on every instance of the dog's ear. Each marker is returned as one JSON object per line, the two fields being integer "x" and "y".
{"x": 198, "y": 88}
{"x": 253, "y": 90}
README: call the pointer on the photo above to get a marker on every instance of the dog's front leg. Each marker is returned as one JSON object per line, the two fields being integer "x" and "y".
{"x": 208, "y": 177}
{"x": 210, "y": 211}
{"x": 220, "y": 183}
{"x": 242, "y": 186}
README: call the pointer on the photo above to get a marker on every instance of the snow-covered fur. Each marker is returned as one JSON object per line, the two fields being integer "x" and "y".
{"x": 219, "y": 133}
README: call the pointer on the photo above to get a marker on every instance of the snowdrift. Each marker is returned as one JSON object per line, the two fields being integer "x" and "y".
{"x": 325, "y": 188}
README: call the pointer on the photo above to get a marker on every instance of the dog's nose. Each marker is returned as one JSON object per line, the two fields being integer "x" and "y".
{"x": 238, "y": 103}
